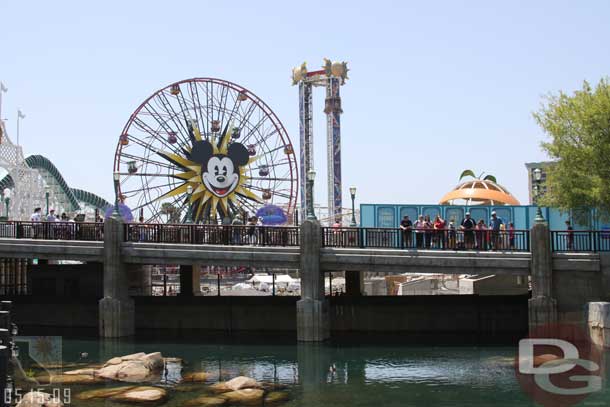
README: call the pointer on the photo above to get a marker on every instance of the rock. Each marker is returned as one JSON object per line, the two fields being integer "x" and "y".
{"x": 109, "y": 371}
{"x": 205, "y": 401}
{"x": 133, "y": 371}
{"x": 242, "y": 382}
{"x": 87, "y": 371}
{"x": 113, "y": 361}
{"x": 268, "y": 386}
{"x": 133, "y": 356}
{"x": 276, "y": 397}
{"x": 248, "y": 397}
{"x": 103, "y": 393}
{"x": 195, "y": 377}
{"x": 39, "y": 399}
{"x": 174, "y": 360}
{"x": 153, "y": 361}
{"x": 538, "y": 360}
{"x": 134, "y": 368}
{"x": 74, "y": 379}
{"x": 141, "y": 394}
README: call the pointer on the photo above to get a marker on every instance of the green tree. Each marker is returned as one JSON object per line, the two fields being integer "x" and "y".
{"x": 173, "y": 215}
{"x": 578, "y": 127}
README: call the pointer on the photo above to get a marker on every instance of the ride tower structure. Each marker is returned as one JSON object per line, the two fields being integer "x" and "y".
{"x": 331, "y": 77}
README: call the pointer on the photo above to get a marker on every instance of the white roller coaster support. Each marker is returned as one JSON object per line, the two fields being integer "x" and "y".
{"x": 29, "y": 185}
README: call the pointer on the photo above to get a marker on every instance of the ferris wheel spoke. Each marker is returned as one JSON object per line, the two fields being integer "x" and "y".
{"x": 155, "y": 135}
{"x": 179, "y": 124}
{"x": 149, "y": 161}
{"x": 146, "y": 188}
{"x": 268, "y": 179}
{"x": 196, "y": 107}
{"x": 257, "y": 188}
{"x": 223, "y": 103}
{"x": 246, "y": 116}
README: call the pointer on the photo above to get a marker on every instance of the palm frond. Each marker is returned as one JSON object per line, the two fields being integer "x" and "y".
{"x": 467, "y": 173}
{"x": 490, "y": 178}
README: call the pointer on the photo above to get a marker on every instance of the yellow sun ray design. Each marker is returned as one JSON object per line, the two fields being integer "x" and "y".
{"x": 205, "y": 203}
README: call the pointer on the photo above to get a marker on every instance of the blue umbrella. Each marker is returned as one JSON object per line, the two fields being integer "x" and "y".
{"x": 271, "y": 215}
{"x": 124, "y": 210}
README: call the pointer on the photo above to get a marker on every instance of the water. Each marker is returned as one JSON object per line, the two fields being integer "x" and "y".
{"x": 363, "y": 375}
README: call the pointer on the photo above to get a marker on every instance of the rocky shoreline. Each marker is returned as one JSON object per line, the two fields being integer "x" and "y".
{"x": 137, "y": 379}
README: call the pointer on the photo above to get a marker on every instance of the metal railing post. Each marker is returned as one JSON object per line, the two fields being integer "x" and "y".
{"x": 4, "y": 358}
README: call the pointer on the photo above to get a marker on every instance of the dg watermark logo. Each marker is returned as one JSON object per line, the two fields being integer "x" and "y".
{"x": 558, "y": 366}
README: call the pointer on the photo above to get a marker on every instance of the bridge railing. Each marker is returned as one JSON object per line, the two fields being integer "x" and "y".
{"x": 443, "y": 239}
{"x": 580, "y": 241}
{"x": 52, "y": 230}
{"x": 213, "y": 234}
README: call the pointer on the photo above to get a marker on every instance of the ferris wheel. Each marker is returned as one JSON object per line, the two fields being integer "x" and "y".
{"x": 204, "y": 149}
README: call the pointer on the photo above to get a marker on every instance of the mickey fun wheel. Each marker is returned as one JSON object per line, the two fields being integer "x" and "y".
{"x": 207, "y": 148}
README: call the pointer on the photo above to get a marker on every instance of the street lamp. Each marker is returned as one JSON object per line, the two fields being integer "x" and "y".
{"x": 7, "y": 200}
{"x": 352, "y": 192}
{"x": 537, "y": 178}
{"x": 46, "y": 194}
{"x": 311, "y": 176}
{"x": 189, "y": 192}
{"x": 115, "y": 213}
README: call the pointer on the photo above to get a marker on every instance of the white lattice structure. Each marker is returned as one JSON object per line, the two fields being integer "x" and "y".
{"x": 29, "y": 187}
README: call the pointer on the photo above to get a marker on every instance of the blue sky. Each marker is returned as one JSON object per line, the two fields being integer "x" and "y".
{"x": 434, "y": 88}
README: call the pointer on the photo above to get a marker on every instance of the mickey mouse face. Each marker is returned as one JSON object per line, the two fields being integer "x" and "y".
{"x": 220, "y": 177}
{"x": 219, "y": 172}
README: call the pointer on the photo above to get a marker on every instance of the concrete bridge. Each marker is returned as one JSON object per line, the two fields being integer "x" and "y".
{"x": 562, "y": 283}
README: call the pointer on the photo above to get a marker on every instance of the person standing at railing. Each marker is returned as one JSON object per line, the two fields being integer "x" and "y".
{"x": 251, "y": 229}
{"x": 439, "y": 232}
{"x": 495, "y": 224}
{"x": 141, "y": 229}
{"x": 481, "y": 232}
{"x": 420, "y": 226}
{"x": 406, "y": 229}
{"x": 36, "y": 217}
{"x": 570, "y": 235}
{"x": 452, "y": 234}
{"x": 511, "y": 235}
{"x": 337, "y": 234}
{"x": 237, "y": 226}
{"x": 468, "y": 225}
{"x": 428, "y": 231}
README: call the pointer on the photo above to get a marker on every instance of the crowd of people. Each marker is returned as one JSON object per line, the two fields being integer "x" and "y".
{"x": 52, "y": 226}
{"x": 469, "y": 234}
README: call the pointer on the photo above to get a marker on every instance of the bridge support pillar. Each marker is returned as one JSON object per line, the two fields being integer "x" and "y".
{"x": 542, "y": 305}
{"x": 186, "y": 280}
{"x": 312, "y": 310}
{"x": 140, "y": 279}
{"x": 354, "y": 283}
{"x": 116, "y": 308}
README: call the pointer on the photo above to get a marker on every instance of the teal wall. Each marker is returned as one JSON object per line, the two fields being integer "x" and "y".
{"x": 389, "y": 215}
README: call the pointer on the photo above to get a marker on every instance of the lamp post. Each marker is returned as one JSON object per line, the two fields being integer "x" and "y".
{"x": 311, "y": 176}
{"x": 46, "y": 194}
{"x": 352, "y": 192}
{"x": 537, "y": 178}
{"x": 115, "y": 213}
{"x": 189, "y": 192}
{"x": 7, "y": 200}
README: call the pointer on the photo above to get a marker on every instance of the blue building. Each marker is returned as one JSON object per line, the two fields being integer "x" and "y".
{"x": 389, "y": 215}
